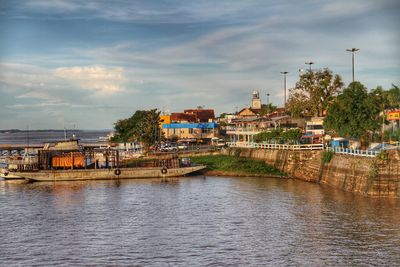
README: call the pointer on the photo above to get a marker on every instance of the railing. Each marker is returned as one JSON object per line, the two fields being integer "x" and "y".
{"x": 355, "y": 152}
{"x": 290, "y": 147}
{"x": 276, "y": 146}
{"x": 395, "y": 146}
{"x": 339, "y": 150}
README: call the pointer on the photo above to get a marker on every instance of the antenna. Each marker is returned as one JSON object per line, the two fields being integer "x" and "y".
{"x": 65, "y": 134}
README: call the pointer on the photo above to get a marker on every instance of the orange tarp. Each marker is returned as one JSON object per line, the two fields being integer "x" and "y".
{"x": 65, "y": 160}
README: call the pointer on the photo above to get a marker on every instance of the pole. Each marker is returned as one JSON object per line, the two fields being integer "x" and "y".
{"x": 383, "y": 121}
{"x": 353, "y": 50}
{"x": 284, "y": 86}
{"x": 309, "y": 64}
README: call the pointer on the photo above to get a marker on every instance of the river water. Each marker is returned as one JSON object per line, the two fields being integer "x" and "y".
{"x": 41, "y": 137}
{"x": 195, "y": 221}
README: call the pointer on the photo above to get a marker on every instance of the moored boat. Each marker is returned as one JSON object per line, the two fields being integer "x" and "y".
{"x": 67, "y": 161}
{"x": 105, "y": 174}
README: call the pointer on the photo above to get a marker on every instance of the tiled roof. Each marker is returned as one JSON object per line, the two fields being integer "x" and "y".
{"x": 178, "y": 117}
{"x": 202, "y": 115}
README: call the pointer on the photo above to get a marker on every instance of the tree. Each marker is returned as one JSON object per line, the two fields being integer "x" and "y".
{"x": 314, "y": 92}
{"x": 354, "y": 114}
{"x": 291, "y": 136}
{"x": 142, "y": 126}
{"x": 268, "y": 136}
{"x": 266, "y": 109}
{"x": 393, "y": 96}
{"x": 389, "y": 99}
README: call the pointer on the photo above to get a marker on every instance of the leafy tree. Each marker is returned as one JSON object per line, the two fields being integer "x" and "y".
{"x": 268, "y": 136}
{"x": 142, "y": 126}
{"x": 266, "y": 109}
{"x": 354, "y": 114}
{"x": 291, "y": 136}
{"x": 389, "y": 99}
{"x": 393, "y": 96}
{"x": 314, "y": 92}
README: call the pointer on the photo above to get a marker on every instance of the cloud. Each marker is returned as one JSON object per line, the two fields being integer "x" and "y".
{"x": 97, "y": 78}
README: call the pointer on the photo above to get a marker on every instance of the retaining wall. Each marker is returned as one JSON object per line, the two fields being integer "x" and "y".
{"x": 368, "y": 176}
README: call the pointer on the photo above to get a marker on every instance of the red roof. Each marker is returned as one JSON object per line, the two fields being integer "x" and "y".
{"x": 178, "y": 117}
{"x": 202, "y": 115}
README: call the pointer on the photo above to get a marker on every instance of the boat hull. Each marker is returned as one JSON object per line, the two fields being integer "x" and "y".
{"x": 7, "y": 175}
{"x": 106, "y": 174}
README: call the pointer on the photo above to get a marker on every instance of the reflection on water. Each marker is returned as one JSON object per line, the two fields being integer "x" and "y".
{"x": 195, "y": 221}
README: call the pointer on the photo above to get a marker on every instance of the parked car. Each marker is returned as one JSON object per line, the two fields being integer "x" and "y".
{"x": 182, "y": 146}
{"x": 218, "y": 142}
{"x": 168, "y": 148}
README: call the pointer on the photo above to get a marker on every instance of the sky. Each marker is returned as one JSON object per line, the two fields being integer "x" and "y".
{"x": 86, "y": 64}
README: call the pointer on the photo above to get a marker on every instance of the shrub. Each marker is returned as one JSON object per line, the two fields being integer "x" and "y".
{"x": 327, "y": 156}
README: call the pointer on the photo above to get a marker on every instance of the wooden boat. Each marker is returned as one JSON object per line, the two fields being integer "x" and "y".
{"x": 68, "y": 162}
{"x": 102, "y": 174}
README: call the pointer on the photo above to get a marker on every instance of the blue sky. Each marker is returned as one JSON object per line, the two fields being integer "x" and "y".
{"x": 90, "y": 63}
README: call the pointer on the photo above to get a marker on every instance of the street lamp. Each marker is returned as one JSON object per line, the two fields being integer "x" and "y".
{"x": 309, "y": 64}
{"x": 353, "y": 50}
{"x": 267, "y": 98}
{"x": 284, "y": 84}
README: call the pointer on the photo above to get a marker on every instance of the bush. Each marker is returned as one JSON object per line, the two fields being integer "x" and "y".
{"x": 327, "y": 156}
{"x": 237, "y": 152}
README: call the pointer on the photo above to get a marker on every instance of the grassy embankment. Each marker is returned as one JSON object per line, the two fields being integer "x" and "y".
{"x": 221, "y": 165}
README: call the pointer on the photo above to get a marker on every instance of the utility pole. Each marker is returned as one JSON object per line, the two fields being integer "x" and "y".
{"x": 353, "y": 50}
{"x": 284, "y": 85}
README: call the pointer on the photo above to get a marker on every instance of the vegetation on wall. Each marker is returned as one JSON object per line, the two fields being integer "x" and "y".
{"x": 236, "y": 165}
{"x": 327, "y": 156}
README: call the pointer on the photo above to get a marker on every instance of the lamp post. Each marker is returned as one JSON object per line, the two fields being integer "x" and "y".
{"x": 309, "y": 64}
{"x": 353, "y": 50}
{"x": 267, "y": 98}
{"x": 284, "y": 84}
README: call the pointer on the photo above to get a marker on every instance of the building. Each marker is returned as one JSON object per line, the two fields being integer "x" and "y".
{"x": 315, "y": 131}
{"x": 190, "y": 125}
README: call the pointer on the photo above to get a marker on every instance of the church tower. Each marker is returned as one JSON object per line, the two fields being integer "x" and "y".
{"x": 256, "y": 101}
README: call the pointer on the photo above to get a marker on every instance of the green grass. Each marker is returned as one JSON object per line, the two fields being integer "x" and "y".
{"x": 236, "y": 165}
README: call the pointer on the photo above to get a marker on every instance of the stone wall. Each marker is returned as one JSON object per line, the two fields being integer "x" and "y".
{"x": 369, "y": 176}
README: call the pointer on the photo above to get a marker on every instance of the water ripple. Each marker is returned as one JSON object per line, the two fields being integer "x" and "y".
{"x": 195, "y": 222}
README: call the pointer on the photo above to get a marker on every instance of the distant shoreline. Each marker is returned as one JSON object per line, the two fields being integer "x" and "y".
{"x": 50, "y": 130}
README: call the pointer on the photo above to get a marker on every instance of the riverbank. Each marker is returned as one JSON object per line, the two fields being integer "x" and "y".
{"x": 222, "y": 165}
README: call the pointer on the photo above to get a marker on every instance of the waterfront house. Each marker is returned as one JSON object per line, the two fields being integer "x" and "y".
{"x": 192, "y": 124}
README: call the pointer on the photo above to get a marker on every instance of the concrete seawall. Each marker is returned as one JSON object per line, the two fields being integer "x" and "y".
{"x": 367, "y": 176}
